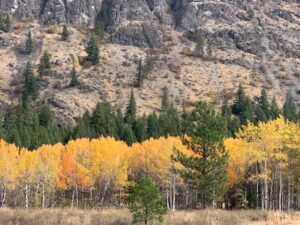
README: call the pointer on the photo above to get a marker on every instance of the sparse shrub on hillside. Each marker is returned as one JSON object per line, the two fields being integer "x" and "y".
{"x": 250, "y": 14}
{"x": 5, "y": 22}
{"x": 52, "y": 29}
{"x": 65, "y": 33}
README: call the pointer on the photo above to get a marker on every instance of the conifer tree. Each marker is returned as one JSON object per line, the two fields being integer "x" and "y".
{"x": 83, "y": 128}
{"x": 209, "y": 49}
{"x": 7, "y": 23}
{"x": 101, "y": 20}
{"x": 149, "y": 65}
{"x": 2, "y": 24}
{"x": 130, "y": 114}
{"x": 128, "y": 135}
{"x": 146, "y": 203}
{"x": 199, "y": 49}
{"x": 74, "y": 81}
{"x": 45, "y": 116}
{"x": 139, "y": 129}
{"x": 169, "y": 122}
{"x": 243, "y": 107}
{"x": 153, "y": 127}
{"x": 139, "y": 75}
{"x": 289, "y": 108}
{"x": 29, "y": 43}
{"x": 165, "y": 102}
{"x": 274, "y": 109}
{"x": 92, "y": 50}
{"x": 206, "y": 170}
{"x": 45, "y": 63}
{"x": 65, "y": 33}
{"x": 264, "y": 103}
{"x": 30, "y": 86}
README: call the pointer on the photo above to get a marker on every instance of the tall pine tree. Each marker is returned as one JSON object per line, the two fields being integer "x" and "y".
{"x": 130, "y": 114}
{"x": 205, "y": 170}
{"x": 92, "y": 50}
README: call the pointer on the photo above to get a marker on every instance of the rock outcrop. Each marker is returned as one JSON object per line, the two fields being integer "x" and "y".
{"x": 257, "y": 35}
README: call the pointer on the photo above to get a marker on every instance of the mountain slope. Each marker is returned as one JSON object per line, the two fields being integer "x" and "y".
{"x": 243, "y": 35}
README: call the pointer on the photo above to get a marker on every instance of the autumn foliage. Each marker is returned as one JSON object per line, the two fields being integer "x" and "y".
{"x": 84, "y": 171}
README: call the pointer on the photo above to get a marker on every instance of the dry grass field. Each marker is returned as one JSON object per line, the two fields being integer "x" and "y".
{"x": 122, "y": 216}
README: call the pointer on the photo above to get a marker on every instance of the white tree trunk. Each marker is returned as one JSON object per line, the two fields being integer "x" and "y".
{"x": 43, "y": 195}
{"x": 290, "y": 178}
{"x": 280, "y": 189}
{"x": 174, "y": 193}
{"x": 257, "y": 186}
{"x": 26, "y": 196}
{"x": 73, "y": 197}
{"x": 104, "y": 191}
{"x": 266, "y": 199}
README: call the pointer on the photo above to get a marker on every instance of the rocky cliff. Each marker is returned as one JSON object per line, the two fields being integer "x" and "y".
{"x": 244, "y": 35}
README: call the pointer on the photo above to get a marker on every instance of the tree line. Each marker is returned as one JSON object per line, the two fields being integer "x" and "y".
{"x": 256, "y": 169}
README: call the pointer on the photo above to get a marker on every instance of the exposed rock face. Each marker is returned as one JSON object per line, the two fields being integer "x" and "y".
{"x": 70, "y": 11}
{"x": 243, "y": 35}
{"x": 237, "y": 24}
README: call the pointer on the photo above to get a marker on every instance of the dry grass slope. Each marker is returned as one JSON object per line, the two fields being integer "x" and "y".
{"x": 122, "y": 216}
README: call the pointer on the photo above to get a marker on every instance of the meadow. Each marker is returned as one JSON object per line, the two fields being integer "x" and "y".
{"x": 67, "y": 216}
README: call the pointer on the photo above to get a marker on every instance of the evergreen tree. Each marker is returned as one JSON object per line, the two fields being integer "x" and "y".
{"x": 29, "y": 43}
{"x": 165, "y": 102}
{"x": 103, "y": 121}
{"x": 253, "y": 73}
{"x": 7, "y": 23}
{"x": 169, "y": 122}
{"x": 139, "y": 75}
{"x": 2, "y": 24}
{"x": 128, "y": 135}
{"x": 199, "y": 50}
{"x": 206, "y": 170}
{"x": 83, "y": 128}
{"x": 30, "y": 87}
{"x": 262, "y": 109}
{"x": 101, "y": 20}
{"x": 264, "y": 104}
{"x": 149, "y": 65}
{"x": 139, "y": 129}
{"x": 74, "y": 81}
{"x": 45, "y": 63}
{"x": 130, "y": 114}
{"x": 243, "y": 107}
{"x": 260, "y": 114}
{"x": 289, "y": 108}
{"x": 2, "y": 133}
{"x": 209, "y": 49}
{"x": 45, "y": 116}
{"x": 153, "y": 126}
{"x": 65, "y": 34}
{"x": 9, "y": 122}
{"x": 146, "y": 203}
{"x": 274, "y": 109}
{"x": 232, "y": 122}
{"x": 92, "y": 50}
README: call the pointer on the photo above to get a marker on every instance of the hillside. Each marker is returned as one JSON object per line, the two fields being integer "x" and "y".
{"x": 260, "y": 36}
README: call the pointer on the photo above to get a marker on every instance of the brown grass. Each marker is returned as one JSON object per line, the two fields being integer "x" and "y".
{"x": 122, "y": 216}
